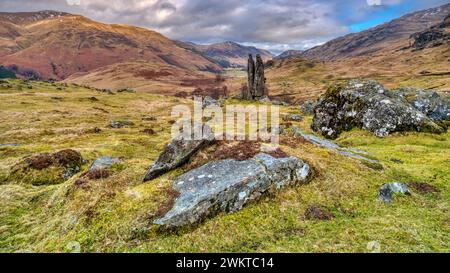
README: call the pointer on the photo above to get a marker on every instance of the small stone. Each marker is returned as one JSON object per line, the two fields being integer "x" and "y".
{"x": 293, "y": 117}
{"x": 104, "y": 162}
{"x": 120, "y": 124}
{"x": 388, "y": 191}
{"x": 307, "y": 108}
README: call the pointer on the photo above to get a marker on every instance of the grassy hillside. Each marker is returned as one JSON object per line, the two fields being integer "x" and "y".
{"x": 115, "y": 214}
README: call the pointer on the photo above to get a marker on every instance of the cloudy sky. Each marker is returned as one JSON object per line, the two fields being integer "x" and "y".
{"x": 276, "y": 25}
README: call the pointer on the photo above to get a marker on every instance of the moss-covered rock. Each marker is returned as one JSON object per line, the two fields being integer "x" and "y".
{"x": 370, "y": 106}
{"x": 46, "y": 168}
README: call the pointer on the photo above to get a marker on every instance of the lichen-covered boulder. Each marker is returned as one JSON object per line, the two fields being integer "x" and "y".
{"x": 178, "y": 152}
{"x": 47, "y": 169}
{"x": 228, "y": 185}
{"x": 307, "y": 107}
{"x": 429, "y": 102}
{"x": 370, "y": 106}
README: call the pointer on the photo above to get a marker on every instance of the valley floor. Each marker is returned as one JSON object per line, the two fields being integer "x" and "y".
{"x": 114, "y": 214}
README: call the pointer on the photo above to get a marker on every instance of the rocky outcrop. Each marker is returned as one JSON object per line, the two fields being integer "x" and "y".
{"x": 256, "y": 89}
{"x": 228, "y": 185}
{"x": 178, "y": 152}
{"x": 388, "y": 191}
{"x": 434, "y": 36}
{"x": 370, "y": 106}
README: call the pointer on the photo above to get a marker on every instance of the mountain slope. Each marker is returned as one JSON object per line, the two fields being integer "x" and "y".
{"x": 378, "y": 38}
{"x": 229, "y": 54}
{"x": 57, "y": 45}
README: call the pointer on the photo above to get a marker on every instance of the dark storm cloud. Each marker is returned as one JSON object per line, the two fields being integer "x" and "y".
{"x": 272, "y": 24}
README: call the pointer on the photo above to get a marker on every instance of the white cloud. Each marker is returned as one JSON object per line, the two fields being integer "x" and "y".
{"x": 374, "y": 2}
{"x": 272, "y": 24}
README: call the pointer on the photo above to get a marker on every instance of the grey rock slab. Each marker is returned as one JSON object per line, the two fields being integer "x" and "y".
{"x": 388, "y": 191}
{"x": 350, "y": 152}
{"x": 228, "y": 185}
{"x": 104, "y": 162}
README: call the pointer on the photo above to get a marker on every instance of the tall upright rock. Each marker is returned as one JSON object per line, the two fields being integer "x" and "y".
{"x": 256, "y": 80}
{"x": 248, "y": 94}
{"x": 260, "y": 79}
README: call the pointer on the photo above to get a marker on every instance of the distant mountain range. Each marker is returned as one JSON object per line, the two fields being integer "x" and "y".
{"x": 377, "y": 39}
{"x": 229, "y": 54}
{"x": 57, "y": 45}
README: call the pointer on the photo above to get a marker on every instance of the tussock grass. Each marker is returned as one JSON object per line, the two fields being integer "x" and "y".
{"x": 115, "y": 214}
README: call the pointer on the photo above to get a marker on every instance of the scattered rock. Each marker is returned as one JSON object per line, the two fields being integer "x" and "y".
{"x": 120, "y": 124}
{"x": 423, "y": 188}
{"x": 126, "y": 90}
{"x": 9, "y": 145}
{"x": 149, "y": 118}
{"x": 388, "y": 190}
{"x": 104, "y": 163}
{"x": 207, "y": 101}
{"x": 368, "y": 105}
{"x": 94, "y": 99}
{"x": 47, "y": 169}
{"x": 100, "y": 169}
{"x": 293, "y": 117}
{"x": 315, "y": 212}
{"x": 307, "y": 107}
{"x": 178, "y": 152}
{"x": 228, "y": 185}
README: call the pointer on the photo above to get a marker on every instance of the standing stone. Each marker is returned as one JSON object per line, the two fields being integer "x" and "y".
{"x": 260, "y": 79}
{"x": 256, "y": 80}
{"x": 247, "y": 94}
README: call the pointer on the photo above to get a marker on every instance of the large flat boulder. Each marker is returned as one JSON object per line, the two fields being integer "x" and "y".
{"x": 227, "y": 185}
{"x": 370, "y": 106}
{"x": 178, "y": 152}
